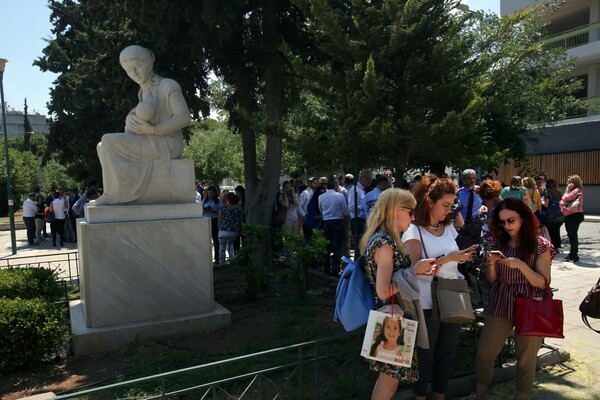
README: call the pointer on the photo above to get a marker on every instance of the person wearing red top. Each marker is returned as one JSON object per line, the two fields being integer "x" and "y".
{"x": 573, "y": 213}
{"x": 519, "y": 261}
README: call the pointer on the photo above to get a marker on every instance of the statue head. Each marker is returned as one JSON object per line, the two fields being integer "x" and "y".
{"x": 138, "y": 62}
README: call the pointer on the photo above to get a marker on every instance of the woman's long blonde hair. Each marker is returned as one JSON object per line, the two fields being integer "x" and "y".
{"x": 383, "y": 215}
{"x": 577, "y": 181}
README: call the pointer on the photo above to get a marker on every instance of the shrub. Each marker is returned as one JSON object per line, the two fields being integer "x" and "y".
{"x": 29, "y": 330}
{"x": 30, "y": 283}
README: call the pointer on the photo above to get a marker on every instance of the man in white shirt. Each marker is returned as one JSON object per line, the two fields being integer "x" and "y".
{"x": 29, "y": 210}
{"x": 307, "y": 194}
{"x": 334, "y": 209}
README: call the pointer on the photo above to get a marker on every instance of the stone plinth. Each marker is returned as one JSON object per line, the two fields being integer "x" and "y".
{"x": 145, "y": 272}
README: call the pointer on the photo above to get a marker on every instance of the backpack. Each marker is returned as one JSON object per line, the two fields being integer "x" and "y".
{"x": 354, "y": 296}
{"x": 590, "y": 306}
{"x": 552, "y": 213}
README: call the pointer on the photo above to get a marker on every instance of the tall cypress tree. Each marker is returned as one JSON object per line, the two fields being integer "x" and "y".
{"x": 28, "y": 130}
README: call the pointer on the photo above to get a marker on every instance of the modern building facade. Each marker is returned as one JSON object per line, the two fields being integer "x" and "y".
{"x": 571, "y": 146}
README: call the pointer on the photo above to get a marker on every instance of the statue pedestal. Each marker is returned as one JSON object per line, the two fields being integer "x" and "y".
{"x": 145, "y": 273}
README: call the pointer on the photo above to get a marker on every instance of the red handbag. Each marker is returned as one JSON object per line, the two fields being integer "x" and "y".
{"x": 539, "y": 317}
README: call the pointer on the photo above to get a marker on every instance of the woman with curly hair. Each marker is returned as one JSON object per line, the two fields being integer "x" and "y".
{"x": 433, "y": 235}
{"x": 518, "y": 263}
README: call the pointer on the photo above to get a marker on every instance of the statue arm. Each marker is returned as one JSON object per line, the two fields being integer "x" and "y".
{"x": 180, "y": 117}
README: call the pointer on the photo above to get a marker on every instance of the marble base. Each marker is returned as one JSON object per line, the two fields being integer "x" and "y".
{"x": 144, "y": 270}
{"x": 125, "y": 213}
{"x": 145, "y": 273}
{"x": 109, "y": 339}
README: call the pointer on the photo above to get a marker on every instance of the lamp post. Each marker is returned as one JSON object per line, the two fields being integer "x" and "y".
{"x": 9, "y": 191}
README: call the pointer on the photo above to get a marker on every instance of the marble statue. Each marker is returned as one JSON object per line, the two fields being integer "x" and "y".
{"x": 152, "y": 132}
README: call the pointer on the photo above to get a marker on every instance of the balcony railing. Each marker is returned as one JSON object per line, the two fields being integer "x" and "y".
{"x": 573, "y": 38}
{"x": 586, "y": 107}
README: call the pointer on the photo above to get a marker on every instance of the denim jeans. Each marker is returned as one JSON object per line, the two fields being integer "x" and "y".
{"x": 226, "y": 240}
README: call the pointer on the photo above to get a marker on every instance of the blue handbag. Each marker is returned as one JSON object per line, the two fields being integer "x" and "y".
{"x": 354, "y": 296}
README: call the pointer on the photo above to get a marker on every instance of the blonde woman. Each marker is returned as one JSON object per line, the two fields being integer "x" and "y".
{"x": 573, "y": 213}
{"x": 295, "y": 214}
{"x": 535, "y": 202}
{"x": 384, "y": 254}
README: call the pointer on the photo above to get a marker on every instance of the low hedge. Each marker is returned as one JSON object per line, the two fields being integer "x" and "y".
{"x": 32, "y": 322}
{"x": 29, "y": 330}
{"x": 30, "y": 283}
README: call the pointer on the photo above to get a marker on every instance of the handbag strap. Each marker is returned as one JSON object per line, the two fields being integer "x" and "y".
{"x": 547, "y": 289}
{"x": 422, "y": 241}
{"x": 378, "y": 234}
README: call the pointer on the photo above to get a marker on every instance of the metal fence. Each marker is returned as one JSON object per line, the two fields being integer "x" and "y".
{"x": 65, "y": 265}
{"x": 327, "y": 368}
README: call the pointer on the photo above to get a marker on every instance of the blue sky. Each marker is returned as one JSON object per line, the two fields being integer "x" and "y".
{"x": 24, "y": 25}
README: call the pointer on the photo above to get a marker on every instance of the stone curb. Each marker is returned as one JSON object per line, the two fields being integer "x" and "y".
{"x": 464, "y": 385}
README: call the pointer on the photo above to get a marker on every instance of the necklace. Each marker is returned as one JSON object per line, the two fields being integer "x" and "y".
{"x": 435, "y": 228}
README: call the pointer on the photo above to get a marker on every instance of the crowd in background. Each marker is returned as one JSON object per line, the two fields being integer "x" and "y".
{"x": 59, "y": 209}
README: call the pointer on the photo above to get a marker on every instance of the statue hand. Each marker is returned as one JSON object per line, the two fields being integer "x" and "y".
{"x": 139, "y": 126}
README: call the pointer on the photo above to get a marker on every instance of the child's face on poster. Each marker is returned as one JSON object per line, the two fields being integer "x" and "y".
{"x": 392, "y": 330}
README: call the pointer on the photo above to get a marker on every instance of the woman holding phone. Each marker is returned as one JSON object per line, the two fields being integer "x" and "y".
{"x": 519, "y": 261}
{"x": 433, "y": 235}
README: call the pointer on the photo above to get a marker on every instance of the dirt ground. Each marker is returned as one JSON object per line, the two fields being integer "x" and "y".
{"x": 257, "y": 325}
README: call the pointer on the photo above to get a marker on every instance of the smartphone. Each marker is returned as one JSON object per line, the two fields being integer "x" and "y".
{"x": 497, "y": 253}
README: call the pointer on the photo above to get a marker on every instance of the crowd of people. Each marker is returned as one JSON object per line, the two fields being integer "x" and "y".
{"x": 429, "y": 231}
{"x": 60, "y": 209}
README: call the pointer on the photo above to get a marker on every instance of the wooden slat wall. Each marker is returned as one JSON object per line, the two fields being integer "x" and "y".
{"x": 557, "y": 166}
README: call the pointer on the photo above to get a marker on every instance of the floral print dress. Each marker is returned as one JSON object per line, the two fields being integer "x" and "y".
{"x": 400, "y": 261}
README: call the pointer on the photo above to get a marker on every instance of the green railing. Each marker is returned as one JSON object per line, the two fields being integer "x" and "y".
{"x": 309, "y": 370}
{"x": 572, "y": 38}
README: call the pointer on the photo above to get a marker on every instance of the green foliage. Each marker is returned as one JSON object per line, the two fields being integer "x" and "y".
{"x": 30, "y": 283}
{"x": 29, "y": 330}
{"x": 216, "y": 151}
{"x": 256, "y": 276}
{"x": 304, "y": 255}
{"x": 412, "y": 84}
{"x": 32, "y": 324}
{"x": 55, "y": 176}
{"x": 23, "y": 168}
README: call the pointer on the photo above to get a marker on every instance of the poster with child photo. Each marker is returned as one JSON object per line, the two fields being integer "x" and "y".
{"x": 389, "y": 339}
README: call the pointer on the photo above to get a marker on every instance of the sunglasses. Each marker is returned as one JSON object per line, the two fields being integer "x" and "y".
{"x": 507, "y": 221}
{"x": 411, "y": 211}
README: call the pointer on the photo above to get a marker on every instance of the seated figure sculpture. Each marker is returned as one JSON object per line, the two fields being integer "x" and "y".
{"x": 152, "y": 132}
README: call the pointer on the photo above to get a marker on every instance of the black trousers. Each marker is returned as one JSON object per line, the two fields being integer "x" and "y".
{"x": 57, "y": 227}
{"x": 333, "y": 230}
{"x": 572, "y": 223}
{"x": 30, "y": 225}
{"x": 436, "y": 362}
{"x": 357, "y": 226}
{"x": 554, "y": 232}
{"x": 215, "y": 236}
